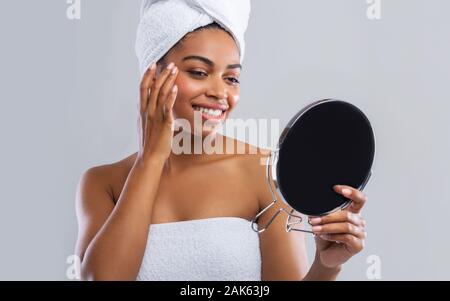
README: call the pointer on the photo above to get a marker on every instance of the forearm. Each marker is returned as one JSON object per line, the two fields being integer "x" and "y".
{"x": 116, "y": 251}
{"x": 318, "y": 272}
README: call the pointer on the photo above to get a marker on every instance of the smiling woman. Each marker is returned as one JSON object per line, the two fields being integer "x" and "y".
{"x": 158, "y": 215}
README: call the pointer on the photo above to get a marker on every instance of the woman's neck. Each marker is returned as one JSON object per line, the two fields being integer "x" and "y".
{"x": 188, "y": 149}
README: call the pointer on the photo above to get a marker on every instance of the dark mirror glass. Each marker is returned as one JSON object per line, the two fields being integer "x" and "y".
{"x": 329, "y": 142}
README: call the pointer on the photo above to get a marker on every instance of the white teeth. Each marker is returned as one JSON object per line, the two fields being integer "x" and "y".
{"x": 215, "y": 113}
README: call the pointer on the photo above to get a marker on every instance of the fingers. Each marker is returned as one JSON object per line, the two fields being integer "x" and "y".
{"x": 166, "y": 92}
{"x": 146, "y": 83}
{"x": 358, "y": 197}
{"x": 340, "y": 228}
{"x": 344, "y": 226}
{"x": 353, "y": 244}
{"x": 170, "y": 102}
{"x": 154, "y": 95}
{"x": 339, "y": 217}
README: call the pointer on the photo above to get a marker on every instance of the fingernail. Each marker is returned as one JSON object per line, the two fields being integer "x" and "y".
{"x": 346, "y": 191}
{"x": 315, "y": 220}
{"x": 153, "y": 66}
{"x": 170, "y": 66}
{"x": 324, "y": 236}
{"x": 316, "y": 228}
{"x": 174, "y": 70}
{"x": 174, "y": 88}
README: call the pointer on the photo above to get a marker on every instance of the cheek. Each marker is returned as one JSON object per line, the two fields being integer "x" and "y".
{"x": 187, "y": 88}
{"x": 186, "y": 92}
{"x": 234, "y": 99}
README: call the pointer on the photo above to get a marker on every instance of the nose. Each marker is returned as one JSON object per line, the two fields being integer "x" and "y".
{"x": 217, "y": 89}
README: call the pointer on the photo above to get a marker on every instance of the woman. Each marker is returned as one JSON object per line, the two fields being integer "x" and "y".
{"x": 158, "y": 215}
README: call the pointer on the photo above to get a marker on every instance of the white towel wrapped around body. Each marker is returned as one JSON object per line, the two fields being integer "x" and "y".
{"x": 210, "y": 249}
{"x": 164, "y": 22}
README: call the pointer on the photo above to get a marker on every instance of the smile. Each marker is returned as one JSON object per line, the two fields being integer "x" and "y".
{"x": 210, "y": 113}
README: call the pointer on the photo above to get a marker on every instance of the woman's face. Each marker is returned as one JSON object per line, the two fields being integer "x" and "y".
{"x": 208, "y": 77}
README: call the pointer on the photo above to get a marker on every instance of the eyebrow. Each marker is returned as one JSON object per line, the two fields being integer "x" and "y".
{"x": 208, "y": 61}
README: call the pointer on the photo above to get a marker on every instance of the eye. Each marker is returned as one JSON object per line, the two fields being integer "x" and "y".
{"x": 234, "y": 80}
{"x": 197, "y": 73}
{"x": 201, "y": 73}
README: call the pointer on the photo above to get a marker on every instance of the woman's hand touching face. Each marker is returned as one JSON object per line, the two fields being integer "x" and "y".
{"x": 158, "y": 93}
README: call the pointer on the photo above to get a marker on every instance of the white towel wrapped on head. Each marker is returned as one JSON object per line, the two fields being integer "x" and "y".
{"x": 164, "y": 22}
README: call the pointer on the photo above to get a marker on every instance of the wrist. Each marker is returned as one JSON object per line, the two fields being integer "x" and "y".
{"x": 327, "y": 271}
{"x": 320, "y": 265}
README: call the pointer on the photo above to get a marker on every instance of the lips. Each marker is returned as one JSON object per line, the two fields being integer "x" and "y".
{"x": 217, "y": 119}
{"x": 211, "y": 116}
{"x": 211, "y": 106}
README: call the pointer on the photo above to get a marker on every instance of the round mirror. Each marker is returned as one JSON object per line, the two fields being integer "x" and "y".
{"x": 328, "y": 142}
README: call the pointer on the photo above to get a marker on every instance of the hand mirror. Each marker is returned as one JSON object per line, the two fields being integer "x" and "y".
{"x": 328, "y": 142}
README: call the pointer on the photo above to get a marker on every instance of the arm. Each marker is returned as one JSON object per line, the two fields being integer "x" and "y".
{"x": 319, "y": 272}
{"x": 283, "y": 254}
{"x": 112, "y": 239}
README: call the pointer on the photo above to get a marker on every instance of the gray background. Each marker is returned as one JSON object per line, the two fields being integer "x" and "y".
{"x": 69, "y": 92}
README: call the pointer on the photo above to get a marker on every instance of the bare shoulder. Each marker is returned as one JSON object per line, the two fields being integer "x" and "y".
{"x": 107, "y": 177}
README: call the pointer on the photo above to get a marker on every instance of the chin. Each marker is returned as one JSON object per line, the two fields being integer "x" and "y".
{"x": 206, "y": 130}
